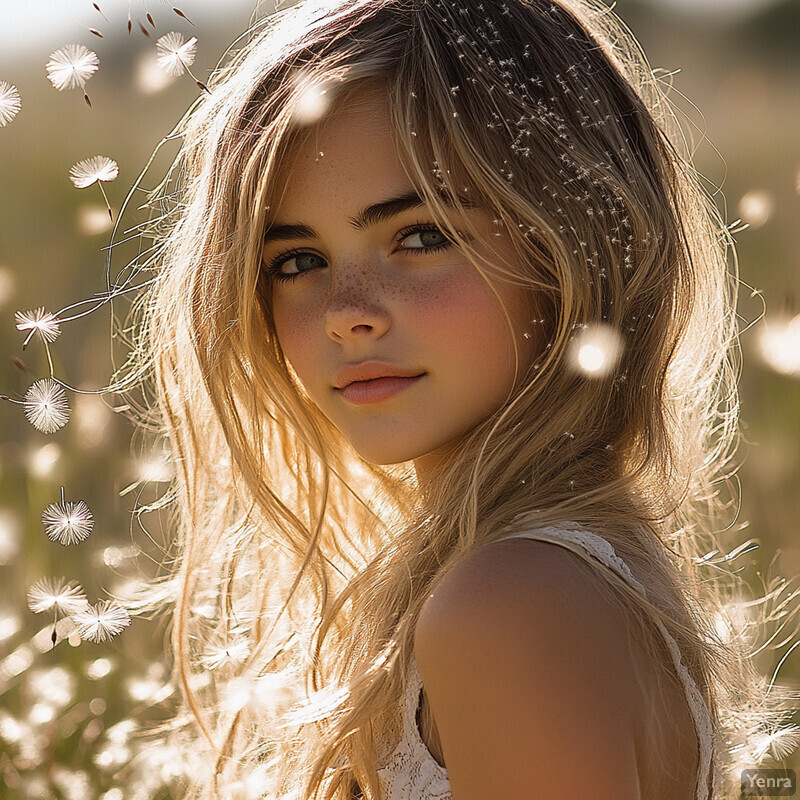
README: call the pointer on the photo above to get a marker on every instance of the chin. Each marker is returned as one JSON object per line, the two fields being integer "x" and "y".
{"x": 385, "y": 450}
{"x": 386, "y": 456}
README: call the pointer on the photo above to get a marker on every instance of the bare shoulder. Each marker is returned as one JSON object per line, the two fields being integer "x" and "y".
{"x": 527, "y": 667}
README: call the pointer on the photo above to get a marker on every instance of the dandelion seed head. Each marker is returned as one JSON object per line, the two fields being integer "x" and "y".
{"x": 45, "y": 405}
{"x": 71, "y": 66}
{"x": 10, "y": 103}
{"x": 175, "y": 54}
{"x": 233, "y": 652}
{"x": 102, "y": 621}
{"x": 778, "y": 743}
{"x": 45, "y": 323}
{"x": 67, "y": 523}
{"x": 94, "y": 169}
{"x": 56, "y": 594}
{"x": 149, "y": 77}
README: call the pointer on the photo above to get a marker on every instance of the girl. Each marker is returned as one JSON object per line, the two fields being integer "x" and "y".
{"x": 440, "y": 333}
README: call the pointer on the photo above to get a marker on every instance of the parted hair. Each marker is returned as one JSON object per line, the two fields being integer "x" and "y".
{"x": 299, "y": 569}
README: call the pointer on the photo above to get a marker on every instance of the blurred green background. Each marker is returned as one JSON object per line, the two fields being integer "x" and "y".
{"x": 64, "y": 717}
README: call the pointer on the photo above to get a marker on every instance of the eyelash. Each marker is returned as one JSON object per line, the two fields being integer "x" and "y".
{"x": 274, "y": 266}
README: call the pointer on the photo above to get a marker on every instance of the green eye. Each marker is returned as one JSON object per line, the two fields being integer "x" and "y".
{"x": 425, "y": 232}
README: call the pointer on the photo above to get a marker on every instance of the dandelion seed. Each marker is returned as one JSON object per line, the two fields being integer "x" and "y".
{"x": 97, "y": 8}
{"x": 175, "y": 55}
{"x": 56, "y": 594}
{"x": 45, "y": 323}
{"x": 96, "y": 32}
{"x": 93, "y": 170}
{"x": 102, "y": 621}
{"x": 71, "y": 66}
{"x": 233, "y": 652}
{"x": 67, "y": 523}
{"x": 181, "y": 14}
{"x": 10, "y": 103}
{"x": 97, "y": 169}
{"x": 45, "y": 405}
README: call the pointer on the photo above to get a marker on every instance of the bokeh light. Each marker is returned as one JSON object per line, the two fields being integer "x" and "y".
{"x": 756, "y": 207}
{"x": 779, "y": 344}
{"x": 595, "y": 350}
{"x": 314, "y": 101}
{"x": 8, "y": 283}
{"x": 42, "y": 460}
{"x": 93, "y": 219}
{"x": 149, "y": 78}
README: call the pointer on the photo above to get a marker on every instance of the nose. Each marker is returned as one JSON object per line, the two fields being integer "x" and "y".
{"x": 355, "y": 306}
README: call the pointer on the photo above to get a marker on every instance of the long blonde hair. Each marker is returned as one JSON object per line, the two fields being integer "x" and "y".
{"x": 301, "y": 568}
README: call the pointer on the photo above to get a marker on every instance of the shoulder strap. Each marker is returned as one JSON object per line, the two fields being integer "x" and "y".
{"x": 602, "y": 550}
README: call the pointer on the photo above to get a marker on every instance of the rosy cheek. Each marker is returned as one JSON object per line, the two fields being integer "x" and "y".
{"x": 461, "y": 305}
{"x": 293, "y": 326}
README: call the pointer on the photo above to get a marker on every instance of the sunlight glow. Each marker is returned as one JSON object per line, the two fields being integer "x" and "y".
{"x": 779, "y": 345}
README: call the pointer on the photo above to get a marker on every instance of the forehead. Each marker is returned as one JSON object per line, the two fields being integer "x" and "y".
{"x": 349, "y": 153}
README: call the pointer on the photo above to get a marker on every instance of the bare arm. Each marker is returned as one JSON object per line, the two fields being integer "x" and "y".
{"x": 528, "y": 672}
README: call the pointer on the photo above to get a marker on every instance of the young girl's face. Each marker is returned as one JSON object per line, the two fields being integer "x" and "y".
{"x": 387, "y": 291}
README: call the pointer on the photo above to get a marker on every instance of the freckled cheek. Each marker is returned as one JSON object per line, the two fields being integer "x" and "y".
{"x": 295, "y": 326}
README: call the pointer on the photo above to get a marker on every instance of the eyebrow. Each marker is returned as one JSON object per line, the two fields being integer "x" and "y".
{"x": 371, "y": 215}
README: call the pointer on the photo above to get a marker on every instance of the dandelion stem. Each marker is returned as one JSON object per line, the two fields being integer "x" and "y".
{"x": 105, "y": 197}
{"x": 49, "y": 357}
{"x": 197, "y": 81}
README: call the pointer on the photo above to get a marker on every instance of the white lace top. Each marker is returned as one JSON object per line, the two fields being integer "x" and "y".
{"x": 411, "y": 772}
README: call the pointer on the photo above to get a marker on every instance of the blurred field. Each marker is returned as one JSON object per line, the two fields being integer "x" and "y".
{"x": 63, "y": 720}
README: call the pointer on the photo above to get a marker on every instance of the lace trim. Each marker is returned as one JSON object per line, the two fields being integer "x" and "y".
{"x": 412, "y": 773}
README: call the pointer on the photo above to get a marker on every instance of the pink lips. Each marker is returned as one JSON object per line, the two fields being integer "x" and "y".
{"x": 360, "y": 392}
